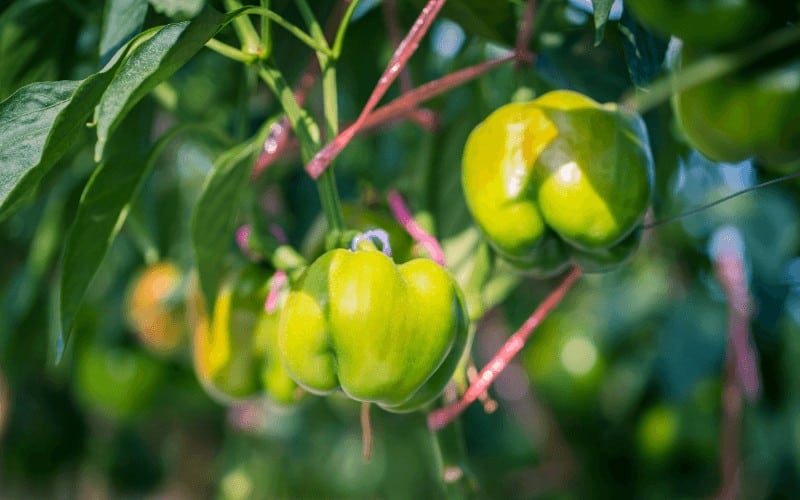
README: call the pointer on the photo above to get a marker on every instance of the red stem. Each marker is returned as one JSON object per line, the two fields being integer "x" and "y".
{"x": 280, "y": 135}
{"x": 741, "y": 375}
{"x": 524, "y": 34}
{"x": 443, "y": 416}
{"x": 731, "y": 274}
{"x": 404, "y": 51}
{"x": 278, "y": 280}
{"x": 403, "y": 215}
{"x": 393, "y": 31}
{"x": 398, "y": 107}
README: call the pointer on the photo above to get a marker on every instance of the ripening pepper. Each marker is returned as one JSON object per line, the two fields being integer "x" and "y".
{"x": 558, "y": 178}
{"x": 380, "y": 332}
{"x": 237, "y": 356}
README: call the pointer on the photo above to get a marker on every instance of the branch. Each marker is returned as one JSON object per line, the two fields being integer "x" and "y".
{"x": 741, "y": 376}
{"x": 524, "y": 35}
{"x": 443, "y": 416}
{"x": 404, "y": 51}
{"x": 404, "y": 217}
{"x": 389, "y": 8}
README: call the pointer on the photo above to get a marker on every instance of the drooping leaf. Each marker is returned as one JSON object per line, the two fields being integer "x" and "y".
{"x": 121, "y": 21}
{"x": 102, "y": 211}
{"x": 35, "y": 123}
{"x": 644, "y": 51}
{"x": 602, "y": 8}
{"x": 151, "y": 63}
{"x": 38, "y": 124}
{"x": 36, "y": 43}
{"x": 214, "y": 218}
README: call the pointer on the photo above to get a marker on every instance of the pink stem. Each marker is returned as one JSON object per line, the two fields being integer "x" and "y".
{"x": 277, "y": 231}
{"x": 404, "y": 51}
{"x": 524, "y": 34}
{"x": 731, "y": 273}
{"x": 404, "y": 217}
{"x": 393, "y": 31}
{"x": 243, "y": 241}
{"x": 278, "y": 280}
{"x": 443, "y": 416}
{"x": 400, "y": 106}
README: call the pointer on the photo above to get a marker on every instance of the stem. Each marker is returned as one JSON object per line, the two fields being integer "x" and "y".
{"x": 345, "y": 22}
{"x": 366, "y": 432}
{"x": 244, "y": 29}
{"x": 404, "y": 217}
{"x": 313, "y": 25}
{"x": 398, "y": 61}
{"x": 709, "y": 69}
{"x": 525, "y": 33}
{"x": 402, "y": 104}
{"x": 229, "y": 52}
{"x": 451, "y": 458}
{"x": 326, "y": 184}
{"x": 741, "y": 375}
{"x": 401, "y": 107}
{"x": 329, "y": 197}
{"x": 266, "y": 32}
{"x": 515, "y": 343}
{"x": 389, "y": 8}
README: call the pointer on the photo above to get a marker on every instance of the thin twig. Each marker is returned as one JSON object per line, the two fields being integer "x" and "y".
{"x": 721, "y": 200}
{"x": 404, "y": 51}
{"x": 403, "y": 215}
{"x": 443, "y": 416}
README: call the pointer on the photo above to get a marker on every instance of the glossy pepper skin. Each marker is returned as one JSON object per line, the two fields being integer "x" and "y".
{"x": 749, "y": 113}
{"x": 556, "y": 178}
{"x": 236, "y": 357}
{"x": 380, "y": 332}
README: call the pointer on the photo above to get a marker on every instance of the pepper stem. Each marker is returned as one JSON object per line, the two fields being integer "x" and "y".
{"x": 368, "y": 239}
{"x": 366, "y": 432}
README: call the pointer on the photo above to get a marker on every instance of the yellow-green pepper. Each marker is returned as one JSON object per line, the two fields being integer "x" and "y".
{"x": 380, "y": 332}
{"x": 237, "y": 356}
{"x": 556, "y": 178}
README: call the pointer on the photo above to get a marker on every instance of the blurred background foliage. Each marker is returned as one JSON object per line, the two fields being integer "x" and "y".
{"x": 617, "y": 395}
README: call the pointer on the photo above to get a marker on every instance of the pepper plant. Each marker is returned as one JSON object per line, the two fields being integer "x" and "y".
{"x": 462, "y": 248}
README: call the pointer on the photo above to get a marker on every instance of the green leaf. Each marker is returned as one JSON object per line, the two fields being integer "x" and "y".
{"x": 121, "y": 21}
{"x": 644, "y": 51}
{"x": 103, "y": 208}
{"x": 37, "y": 41}
{"x": 151, "y": 63}
{"x": 37, "y": 125}
{"x": 602, "y": 8}
{"x": 178, "y": 8}
{"x": 214, "y": 218}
